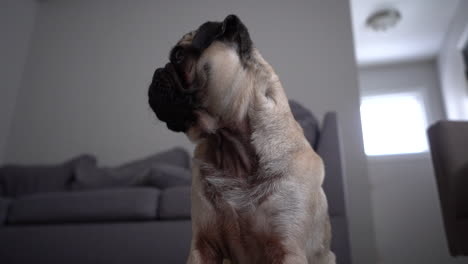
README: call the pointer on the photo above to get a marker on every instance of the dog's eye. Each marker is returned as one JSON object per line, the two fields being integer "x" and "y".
{"x": 179, "y": 56}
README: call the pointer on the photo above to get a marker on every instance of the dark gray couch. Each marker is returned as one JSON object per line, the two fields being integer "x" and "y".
{"x": 449, "y": 149}
{"x": 77, "y": 212}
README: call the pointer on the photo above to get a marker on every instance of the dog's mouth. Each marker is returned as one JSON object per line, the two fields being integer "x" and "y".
{"x": 176, "y": 77}
{"x": 171, "y": 97}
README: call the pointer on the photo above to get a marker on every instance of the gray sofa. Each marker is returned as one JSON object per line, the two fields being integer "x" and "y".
{"x": 139, "y": 212}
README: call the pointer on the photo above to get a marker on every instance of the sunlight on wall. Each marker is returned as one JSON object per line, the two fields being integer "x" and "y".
{"x": 393, "y": 124}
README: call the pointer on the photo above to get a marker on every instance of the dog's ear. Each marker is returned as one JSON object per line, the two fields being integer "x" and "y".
{"x": 206, "y": 34}
{"x": 230, "y": 30}
{"x": 234, "y": 30}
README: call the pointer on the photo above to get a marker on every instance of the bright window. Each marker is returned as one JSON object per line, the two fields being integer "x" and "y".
{"x": 393, "y": 124}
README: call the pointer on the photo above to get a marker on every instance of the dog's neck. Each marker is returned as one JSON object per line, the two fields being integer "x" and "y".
{"x": 232, "y": 150}
{"x": 229, "y": 139}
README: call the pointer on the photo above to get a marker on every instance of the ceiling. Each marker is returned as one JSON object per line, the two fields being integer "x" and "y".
{"x": 418, "y": 35}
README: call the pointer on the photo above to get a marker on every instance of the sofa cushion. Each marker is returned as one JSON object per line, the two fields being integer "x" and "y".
{"x": 164, "y": 176}
{"x": 176, "y": 156}
{"x": 129, "y": 174}
{"x": 91, "y": 176}
{"x": 308, "y": 122}
{"x": 4, "y": 203}
{"x": 175, "y": 203}
{"x": 85, "y": 206}
{"x": 17, "y": 180}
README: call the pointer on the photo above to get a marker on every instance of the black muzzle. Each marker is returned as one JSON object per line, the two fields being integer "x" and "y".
{"x": 170, "y": 101}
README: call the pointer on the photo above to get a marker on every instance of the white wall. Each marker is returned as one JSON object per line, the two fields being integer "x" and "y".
{"x": 16, "y": 27}
{"x": 451, "y": 68}
{"x": 91, "y": 62}
{"x": 405, "y": 204}
{"x": 419, "y": 77}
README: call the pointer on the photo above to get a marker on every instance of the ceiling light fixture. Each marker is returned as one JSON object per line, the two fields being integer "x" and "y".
{"x": 383, "y": 19}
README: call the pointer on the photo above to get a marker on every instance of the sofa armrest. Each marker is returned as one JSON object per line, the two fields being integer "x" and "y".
{"x": 330, "y": 149}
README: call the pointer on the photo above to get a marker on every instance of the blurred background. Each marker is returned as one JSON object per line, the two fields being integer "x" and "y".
{"x": 411, "y": 74}
{"x": 75, "y": 75}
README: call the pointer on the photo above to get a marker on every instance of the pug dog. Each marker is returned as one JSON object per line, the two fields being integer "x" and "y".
{"x": 257, "y": 192}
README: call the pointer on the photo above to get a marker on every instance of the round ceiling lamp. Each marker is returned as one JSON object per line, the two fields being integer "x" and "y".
{"x": 383, "y": 19}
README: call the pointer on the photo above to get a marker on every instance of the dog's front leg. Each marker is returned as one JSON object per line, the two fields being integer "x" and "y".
{"x": 204, "y": 254}
{"x": 295, "y": 259}
{"x": 203, "y": 247}
{"x": 194, "y": 257}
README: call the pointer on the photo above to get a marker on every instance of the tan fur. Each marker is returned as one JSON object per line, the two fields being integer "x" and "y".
{"x": 256, "y": 192}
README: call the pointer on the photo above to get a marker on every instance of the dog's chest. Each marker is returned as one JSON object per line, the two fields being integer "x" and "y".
{"x": 243, "y": 226}
{"x": 249, "y": 236}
